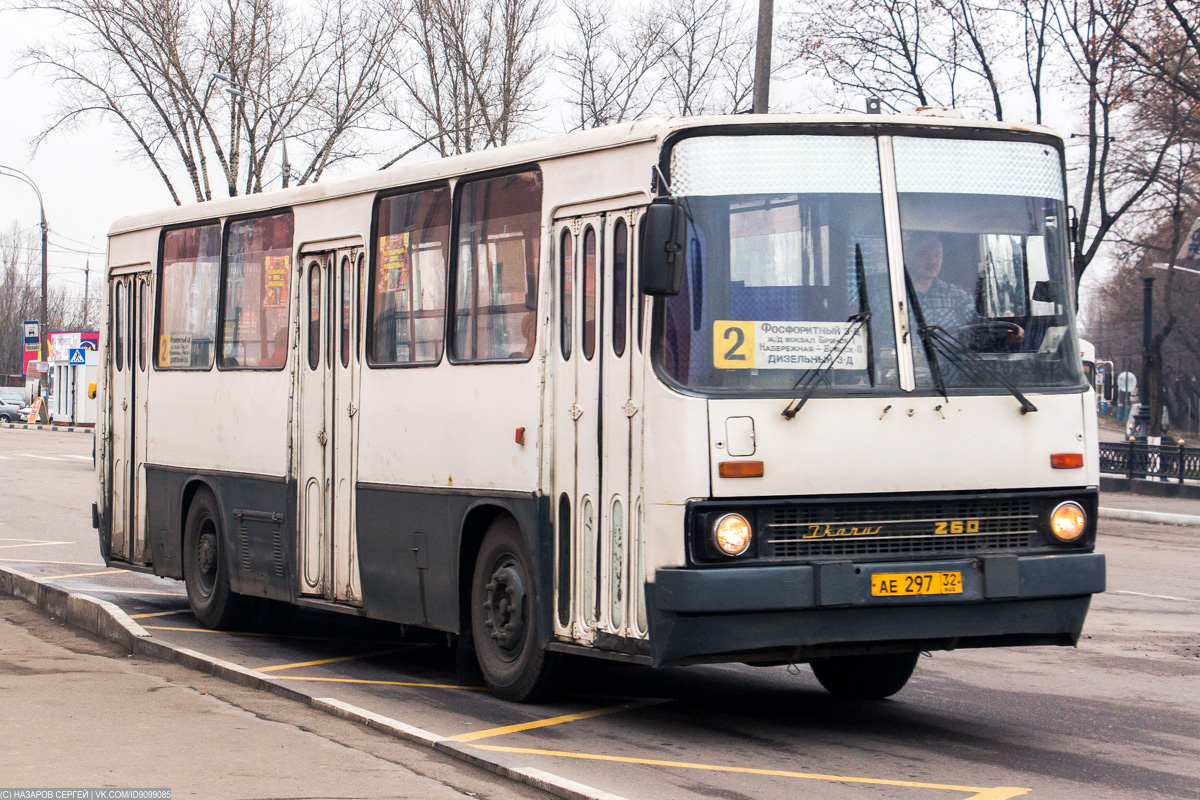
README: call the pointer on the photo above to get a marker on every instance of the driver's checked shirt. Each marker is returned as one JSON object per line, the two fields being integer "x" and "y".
{"x": 947, "y": 306}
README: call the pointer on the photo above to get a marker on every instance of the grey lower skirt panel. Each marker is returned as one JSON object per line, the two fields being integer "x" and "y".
{"x": 258, "y": 515}
{"x": 415, "y": 549}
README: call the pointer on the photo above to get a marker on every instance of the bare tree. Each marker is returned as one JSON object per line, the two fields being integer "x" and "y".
{"x": 1123, "y": 159}
{"x": 612, "y": 62}
{"x": 708, "y": 60}
{"x": 877, "y": 49}
{"x": 477, "y": 67}
{"x": 151, "y": 66}
{"x": 20, "y": 298}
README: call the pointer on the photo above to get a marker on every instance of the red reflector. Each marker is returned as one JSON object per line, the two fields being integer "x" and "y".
{"x": 520, "y": 437}
{"x": 741, "y": 469}
{"x": 1066, "y": 460}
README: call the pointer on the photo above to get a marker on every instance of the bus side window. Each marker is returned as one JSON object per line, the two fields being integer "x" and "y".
{"x": 566, "y": 280}
{"x": 495, "y": 292}
{"x": 408, "y": 279}
{"x": 314, "y": 315}
{"x": 119, "y": 326}
{"x": 620, "y": 294}
{"x": 589, "y": 293}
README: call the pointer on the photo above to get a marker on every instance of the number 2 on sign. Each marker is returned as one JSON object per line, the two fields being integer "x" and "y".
{"x": 733, "y": 344}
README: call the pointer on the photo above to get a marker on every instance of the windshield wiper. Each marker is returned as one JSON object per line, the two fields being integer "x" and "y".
{"x": 810, "y": 379}
{"x": 926, "y": 336}
{"x": 971, "y": 362}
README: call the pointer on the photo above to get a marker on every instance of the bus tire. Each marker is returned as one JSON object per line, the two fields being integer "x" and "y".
{"x": 872, "y": 677}
{"x": 205, "y": 568}
{"x": 505, "y": 618}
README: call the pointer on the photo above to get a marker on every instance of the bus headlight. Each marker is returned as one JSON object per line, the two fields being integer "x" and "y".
{"x": 1068, "y": 521}
{"x": 732, "y": 534}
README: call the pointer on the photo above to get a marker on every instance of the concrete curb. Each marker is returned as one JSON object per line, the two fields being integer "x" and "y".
{"x": 25, "y": 426}
{"x": 109, "y": 622}
{"x": 1160, "y": 517}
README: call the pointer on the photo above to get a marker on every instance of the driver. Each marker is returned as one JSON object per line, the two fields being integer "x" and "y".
{"x": 944, "y": 304}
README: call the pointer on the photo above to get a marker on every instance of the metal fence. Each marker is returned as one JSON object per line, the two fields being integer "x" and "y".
{"x": 1141, "y": 460}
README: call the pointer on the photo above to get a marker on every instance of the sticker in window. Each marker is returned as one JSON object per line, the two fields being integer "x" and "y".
{"x": 744, "y": 344}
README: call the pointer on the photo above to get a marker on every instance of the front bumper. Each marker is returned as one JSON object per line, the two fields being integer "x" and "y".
{"x": 794, "y": 613}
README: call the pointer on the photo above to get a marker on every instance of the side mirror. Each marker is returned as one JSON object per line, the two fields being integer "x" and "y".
{"x": 1073, "y": 224}
{"x": 664, "y": 249}
{"x": 1043, "y": 293}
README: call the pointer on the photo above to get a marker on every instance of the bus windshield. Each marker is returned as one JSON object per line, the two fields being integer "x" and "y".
{"x": 786, "y": 260}
{"x": 787, "y": 271}
{"x": 984, "y": 251}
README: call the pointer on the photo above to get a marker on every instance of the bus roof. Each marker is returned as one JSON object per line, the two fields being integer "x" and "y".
{"x": 643, "y": 130}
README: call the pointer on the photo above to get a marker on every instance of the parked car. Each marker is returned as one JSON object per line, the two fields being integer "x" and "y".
{"x": 10, "y": 406}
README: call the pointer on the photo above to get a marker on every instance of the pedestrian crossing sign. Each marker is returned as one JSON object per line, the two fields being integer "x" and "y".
{"x": 77, "y": 356}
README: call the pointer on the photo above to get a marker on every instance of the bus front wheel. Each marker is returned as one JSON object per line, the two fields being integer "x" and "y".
{"x": 205, "y": 567}
{"x": 505, "y": 618}
{"x": 871, "y": 677}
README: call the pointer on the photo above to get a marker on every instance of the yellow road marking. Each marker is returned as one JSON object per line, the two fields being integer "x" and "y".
{"x": 387, "y": 683}
{"x": 88, "y": 574}
{"x": 260, "y": 633}
{"x": 159, "y": 614}
{"x": 325, "y": 661}
{"x": 102, "y": 590}
{"x": 543, "y": 723}
{"x": 34, "y": 544}
{"x": 40, "y": 561}
{"x": 978, "y": 792}
{"x": 202, "y": 630}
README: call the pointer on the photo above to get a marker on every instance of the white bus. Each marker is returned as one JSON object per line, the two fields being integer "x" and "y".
{"x": 773, "y": 389}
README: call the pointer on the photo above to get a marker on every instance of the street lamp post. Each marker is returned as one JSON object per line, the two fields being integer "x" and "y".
{"x": 13, "y": 172}
{"x": 236, "y": 90}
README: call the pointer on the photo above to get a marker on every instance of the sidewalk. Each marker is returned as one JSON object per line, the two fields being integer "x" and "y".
{"x": 82, "y": 713}
{"x": 1140, "y": 502}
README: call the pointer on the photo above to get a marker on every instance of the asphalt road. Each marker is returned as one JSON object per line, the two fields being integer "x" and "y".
{"x": 1118, "y": 717}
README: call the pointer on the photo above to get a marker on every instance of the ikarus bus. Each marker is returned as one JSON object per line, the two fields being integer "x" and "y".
{"x": 774, "y": 390}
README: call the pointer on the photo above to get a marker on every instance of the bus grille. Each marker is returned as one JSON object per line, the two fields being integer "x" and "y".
{"x": 947, "y": 526}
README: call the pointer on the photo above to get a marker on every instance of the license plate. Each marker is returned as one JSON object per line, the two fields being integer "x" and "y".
{"x": 900, "y": 584}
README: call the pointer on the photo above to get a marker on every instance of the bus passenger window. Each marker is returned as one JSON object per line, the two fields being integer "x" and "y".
{"x": 362, "y": 306}
{"x": 620, "y": 291}
{"x": 408, "y": 278}
{"x": 258, "y": 260}
{"x": 495, "y": 292}
{"x": 143, "y": 325}
{"x": 589, "y": 293}
{"x": 566, "y": 272}
{"x": 187, "y": 297}
{"x": 314, "y": 315}
{"x": 119, "y": 326}
{"x": 347, "y": 306}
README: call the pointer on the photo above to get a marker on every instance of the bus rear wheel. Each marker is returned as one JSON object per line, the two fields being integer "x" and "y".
{"x": 205, "y": 567}
{"x": 505, "y": 619}
{"x": 871, "y": 677}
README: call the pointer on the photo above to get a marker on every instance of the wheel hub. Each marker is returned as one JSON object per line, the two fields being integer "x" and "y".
{"x": 206, "y": 557}
{"x": 504, "y": 607}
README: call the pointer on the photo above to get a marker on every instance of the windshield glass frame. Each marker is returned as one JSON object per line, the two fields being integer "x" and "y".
{"x": 888, "y": 306}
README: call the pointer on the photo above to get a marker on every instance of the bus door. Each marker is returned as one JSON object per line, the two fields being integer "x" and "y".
{"x": 327, "y": 438}
{"x": 582, "y": 508}
{"x": 130, "y": 305}
{"x": 619, "y": 419}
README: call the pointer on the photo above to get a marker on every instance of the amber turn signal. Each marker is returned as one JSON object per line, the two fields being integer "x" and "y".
{"x": 1066, "y": 460}
{"x": 741, "y": 469}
